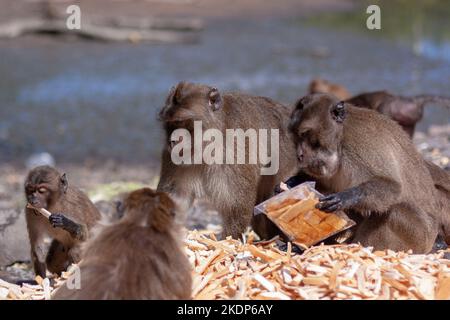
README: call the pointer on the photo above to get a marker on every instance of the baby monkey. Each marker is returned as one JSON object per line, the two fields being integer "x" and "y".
{"x": 55, "y": 240}
{"x": 138, "y": 257}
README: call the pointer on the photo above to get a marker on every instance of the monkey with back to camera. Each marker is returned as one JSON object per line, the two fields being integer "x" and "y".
{"x": 55, "y": 241}
{"x": 406, "y": 111}
{"x": 233, "y": 189}
{"x": 139, "y": 256}
{"x": 366, "y": 165}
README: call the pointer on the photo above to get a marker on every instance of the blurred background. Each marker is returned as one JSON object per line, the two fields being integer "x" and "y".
{"x": 93, "y": 100}
{"x": 91, "y": 104}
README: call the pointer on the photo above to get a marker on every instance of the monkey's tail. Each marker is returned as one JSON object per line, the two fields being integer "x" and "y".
{"x": 423, "y": 99}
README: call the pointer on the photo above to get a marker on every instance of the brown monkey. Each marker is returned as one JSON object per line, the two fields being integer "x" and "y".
{"x": 137, "y": 257}
{"x": 54, "y": 241}
{"x": 318, "y": 85}
{"x": 367, "y": 165}
{"x": 406, "y": 111}
{"x": 441, "y": 180}
{"x": 233, "y": 189}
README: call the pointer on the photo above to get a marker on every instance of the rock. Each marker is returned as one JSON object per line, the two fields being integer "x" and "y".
{"x": 17, "y": 273}
{"x": 108, "y": 209}
{"x": 199, "y": 215}
{"x": 40, "y": 159}
{"x": 14, "y": 244}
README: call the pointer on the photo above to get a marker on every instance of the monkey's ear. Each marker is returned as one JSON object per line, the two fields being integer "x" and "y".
{"x": 175, "y": 93}
{"x": 215, "y": 100}
{"x": 300, "y": 104}
{"x": 171, "y": 95}
{"x": 296, "y": 114}
{"x": 338, "y": 112}
{"x": 64, "y": 182}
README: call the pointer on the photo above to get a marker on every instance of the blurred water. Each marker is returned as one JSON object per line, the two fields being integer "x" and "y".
{"x": 82, "y": 99}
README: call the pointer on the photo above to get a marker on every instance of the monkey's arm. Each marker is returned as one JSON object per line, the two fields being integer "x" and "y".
{"x": 38, "y": 266}
{"x": 377, "y": 194}
{"x": 167, "y": 173}
{"x": 78, "y": 231}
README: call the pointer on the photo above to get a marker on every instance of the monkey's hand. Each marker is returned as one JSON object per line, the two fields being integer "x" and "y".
{"x": 280, "y": 188}
{"x": 289, "y": 183}
{"x": 58, "y": 220}
{"x": 339, "y": 201}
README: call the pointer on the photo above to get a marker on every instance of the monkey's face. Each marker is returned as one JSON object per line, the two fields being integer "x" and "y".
{"x": 186, "y": 103}
{"x": 43, "y": 186}
{"x": 38, "y": 195}
{"x": 316, "y": 124}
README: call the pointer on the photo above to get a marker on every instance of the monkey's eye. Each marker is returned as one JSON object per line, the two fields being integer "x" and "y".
{"x": 303, "y": 135}
{"x": 42, "y": 190}
{"x": 315, "y": 144}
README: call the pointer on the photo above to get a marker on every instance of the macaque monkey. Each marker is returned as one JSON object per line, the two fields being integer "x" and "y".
{"x": 55, "y": 240}
{"x": 406, "y": 111}
{"x": 441, "y": 180}
{"x": 366, "y": 165}
{"x": 318, "y": 85}
{"x": 234, "y": 189}
{"x": 138, "y": 257}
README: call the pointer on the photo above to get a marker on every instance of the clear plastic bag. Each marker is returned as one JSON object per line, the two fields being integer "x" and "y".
{"x": 294, "y": 212}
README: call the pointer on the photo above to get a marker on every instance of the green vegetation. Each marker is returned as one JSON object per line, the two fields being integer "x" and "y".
{"x": 409, "y": 20}
{"x": 109, "y": 191}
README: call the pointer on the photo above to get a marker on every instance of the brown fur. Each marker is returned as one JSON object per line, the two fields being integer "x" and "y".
{"x": 54, "y": 248}
{"x": 441, "y": 180}
{"x": 406, "y": 111}
{"x": 318, "y": 85}
{"x": 393, "y": 197}
{"x": 137, "y": 257}
{"x": 233, "y": 189}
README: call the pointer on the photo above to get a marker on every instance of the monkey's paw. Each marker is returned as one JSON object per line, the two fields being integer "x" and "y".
{"x": 338, "y": 201}
{"x": 58, "y": 220}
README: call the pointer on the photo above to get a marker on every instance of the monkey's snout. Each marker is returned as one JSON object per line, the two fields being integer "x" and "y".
{"x": 36, "y": 204}
{"x": 33, "y": 201}
{"x": 300, "y": 154}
